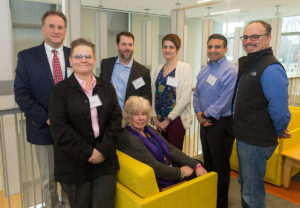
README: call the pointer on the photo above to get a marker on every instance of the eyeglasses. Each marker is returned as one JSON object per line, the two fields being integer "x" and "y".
{"x": 80, "y": 57}
{"x": 252, "y": 37}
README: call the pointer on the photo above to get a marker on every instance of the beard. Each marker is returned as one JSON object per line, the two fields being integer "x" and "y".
{"x": 125, "y": 56}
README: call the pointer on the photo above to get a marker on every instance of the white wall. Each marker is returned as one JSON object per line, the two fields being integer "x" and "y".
{"x": 88, "y": 24}
{"x": 194, "y": 42}
{"x": 136, "y": 23}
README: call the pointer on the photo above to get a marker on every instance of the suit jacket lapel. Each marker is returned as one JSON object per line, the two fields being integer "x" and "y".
{"x": 110, "y": 67}
{"x": 100, "y": 109}
{"x": 132, "y": 77}
{"x": 45, "y": 62}
{"x": 67, "y": 63}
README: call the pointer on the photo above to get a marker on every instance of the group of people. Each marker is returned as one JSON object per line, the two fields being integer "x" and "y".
{"x": 77, "y": 120}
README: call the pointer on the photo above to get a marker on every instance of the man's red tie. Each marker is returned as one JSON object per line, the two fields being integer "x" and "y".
{"x": 57, "y": 73}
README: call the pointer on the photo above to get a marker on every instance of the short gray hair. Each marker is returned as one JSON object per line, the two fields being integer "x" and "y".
{"x": 132, "y": 105}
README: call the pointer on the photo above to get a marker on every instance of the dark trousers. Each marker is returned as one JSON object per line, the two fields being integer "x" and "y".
{"x": 217, "y": 141}
{"x": 175, "y": 133}
{"x": 99, "y": 193}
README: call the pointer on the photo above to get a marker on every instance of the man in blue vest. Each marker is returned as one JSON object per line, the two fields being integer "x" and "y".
{"x": 260, "y": 111}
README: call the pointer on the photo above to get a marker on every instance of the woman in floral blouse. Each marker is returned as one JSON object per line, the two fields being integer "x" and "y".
{"x": 172, "y": 91}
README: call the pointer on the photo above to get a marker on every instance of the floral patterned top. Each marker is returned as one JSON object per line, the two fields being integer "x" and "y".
{"x": 165, "y": 96}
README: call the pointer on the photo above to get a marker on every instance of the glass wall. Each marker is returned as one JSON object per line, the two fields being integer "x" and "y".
{"x": 116, "y": 22}
{"x": 290, "y": 45}
{"x": 164, "y": 29}
{"x": 192, "y": 49}
{"x": 136, "y": 28}
{"x": 26, "y": 19}
{"x": 229, "y": 30}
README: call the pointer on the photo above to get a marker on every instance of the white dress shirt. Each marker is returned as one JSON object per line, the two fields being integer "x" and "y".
{"x": 60, "y": 55}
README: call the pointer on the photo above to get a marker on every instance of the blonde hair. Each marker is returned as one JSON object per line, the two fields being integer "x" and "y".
{"x": 132, "y": 105}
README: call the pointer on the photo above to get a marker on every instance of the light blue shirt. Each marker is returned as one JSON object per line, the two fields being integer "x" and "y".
{"x": 215, "y": 98}
{"x": 119, "y": 79}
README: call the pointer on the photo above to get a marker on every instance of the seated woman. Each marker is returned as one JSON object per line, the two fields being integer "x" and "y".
{"x": 146, "y": 145}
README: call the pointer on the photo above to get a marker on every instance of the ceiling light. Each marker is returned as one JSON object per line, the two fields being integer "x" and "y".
{"x": 224, "y": 12}
{"x": 203, "y": 1}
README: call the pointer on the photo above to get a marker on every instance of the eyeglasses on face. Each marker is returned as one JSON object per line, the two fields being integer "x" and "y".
{"x": 80, "y": 57}
{"x": 253, "y": 37}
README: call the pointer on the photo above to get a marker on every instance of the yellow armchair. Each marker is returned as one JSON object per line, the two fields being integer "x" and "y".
{"x": 274, "y": 169}
{"x": 137, "y": 188}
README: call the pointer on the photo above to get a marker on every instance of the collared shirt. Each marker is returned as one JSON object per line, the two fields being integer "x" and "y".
{"x": 60, "y": 55}
{"x": 275, "y": 85}
{"x": 94, "y": 113}
{"x": 119, "y": 79}
{"x": 215, "y": 88}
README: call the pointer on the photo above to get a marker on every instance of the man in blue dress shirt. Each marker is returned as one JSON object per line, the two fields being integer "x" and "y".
{"x": 127, "y": 76}
{"x": 260, "y": 111}
{"x": 212, "y": 104}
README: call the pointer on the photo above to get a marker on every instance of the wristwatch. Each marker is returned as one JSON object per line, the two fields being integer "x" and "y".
{"x": 182, "y": 176}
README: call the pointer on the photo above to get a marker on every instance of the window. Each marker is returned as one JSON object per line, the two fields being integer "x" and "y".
{"x": 229, "y": 30}
{"x": 290, "y": 45}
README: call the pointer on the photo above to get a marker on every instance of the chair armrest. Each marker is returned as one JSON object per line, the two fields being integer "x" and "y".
{"x": 295, "y": 139}
{"x": 136, "y": 176}
{"x": 199, "y": 192}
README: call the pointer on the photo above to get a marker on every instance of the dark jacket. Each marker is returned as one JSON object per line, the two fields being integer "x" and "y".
{"x": 137, "y": 71}
{"x": 252, "y": 121}
{"x": 73, "y": 135}
{"x": 134, "y": 147}
{"x": 33, "y": 84}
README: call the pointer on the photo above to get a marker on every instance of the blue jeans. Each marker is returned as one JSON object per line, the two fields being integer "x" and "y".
{"x": 252, "y": 169}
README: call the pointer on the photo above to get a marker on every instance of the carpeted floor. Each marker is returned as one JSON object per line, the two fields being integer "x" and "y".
{"x": 272, "y": 200}
{"x": 276, "y": 197}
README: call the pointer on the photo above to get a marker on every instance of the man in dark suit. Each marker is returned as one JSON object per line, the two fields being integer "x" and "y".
{"x": 127, "y": 76}
{"x": 38, "y": 69}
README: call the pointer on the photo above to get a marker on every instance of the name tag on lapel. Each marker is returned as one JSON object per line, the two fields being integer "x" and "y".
{"x": 211, "y": 79}
{"x": 171, "y": 81}
{"x": 138, "y": 83}
{"x": 95, "y": 101}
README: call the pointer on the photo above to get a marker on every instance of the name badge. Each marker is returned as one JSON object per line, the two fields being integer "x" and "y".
{"x": 69, "y": 71}
{"x": 211, "y": 79}
{"x": 95, "y": 101}
{"x": 171, "y": 81}
{"x": 138, "y": 83}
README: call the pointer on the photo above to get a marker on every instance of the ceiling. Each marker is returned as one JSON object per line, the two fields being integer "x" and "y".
{"x": 249, "y": 9}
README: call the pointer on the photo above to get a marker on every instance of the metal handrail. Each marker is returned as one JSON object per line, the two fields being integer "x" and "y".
{"x": 24, "y": 161}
